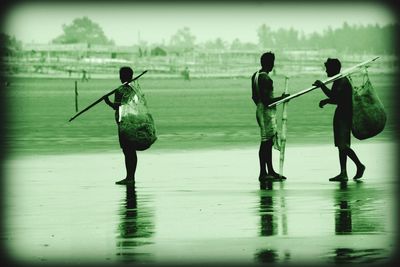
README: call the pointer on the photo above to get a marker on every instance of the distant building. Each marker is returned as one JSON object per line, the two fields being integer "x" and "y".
{"x": 81, "y": 50}
{"x": 158, "y": 51}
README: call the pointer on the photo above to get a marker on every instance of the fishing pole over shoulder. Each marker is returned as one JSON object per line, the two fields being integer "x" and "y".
{"x": 342, "y": 74}
{"x": 104, "y": 96}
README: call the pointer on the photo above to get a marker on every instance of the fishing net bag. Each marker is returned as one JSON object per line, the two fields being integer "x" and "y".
{"x": 136, "y": 124}
{"x": 369, "y": 116}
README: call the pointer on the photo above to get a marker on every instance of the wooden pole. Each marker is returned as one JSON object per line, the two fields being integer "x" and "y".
{"x": 331, "y": 79}
{"x": 283, "y": 131}
{"x": 76, "y": 96}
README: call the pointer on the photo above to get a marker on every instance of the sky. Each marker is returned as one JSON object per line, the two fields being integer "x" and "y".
{"x": 127, "y": 23}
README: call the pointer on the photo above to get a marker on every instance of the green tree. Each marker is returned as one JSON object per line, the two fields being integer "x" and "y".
{"x": 236, "y": 44}
{"x": 245, "y": 46}
{"x": 183, "y": 40}
{"x": 9, "y": 45}
{"x": 218, "y": 44}
{"x": 265, "y": 38}
{"x": 82, "y": 30}
{"x": 285, "y": 38}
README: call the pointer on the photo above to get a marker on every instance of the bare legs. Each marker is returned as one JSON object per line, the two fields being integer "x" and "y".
{"x": 130, "y": 166}
{"x": 265, "y": 160}
{"x": 130, "y": 163}
{"x": 262, "y": 155}
{"x": 345, "y": 152}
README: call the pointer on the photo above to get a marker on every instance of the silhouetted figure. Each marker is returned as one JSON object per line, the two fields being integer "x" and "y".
{"x": 85, "y": 77}
{"x": 341, "y": 95}
{"x": 121, "y": 96}
{"x": 186, "y": 74}
{"x": 262, "y": 95}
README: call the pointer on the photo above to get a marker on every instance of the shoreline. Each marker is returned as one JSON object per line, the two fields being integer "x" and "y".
{"x": 116, "y": 150}
{"x": 171, "y": 76}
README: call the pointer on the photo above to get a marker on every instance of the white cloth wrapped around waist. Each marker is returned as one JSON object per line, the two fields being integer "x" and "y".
{"x": 266, "y": 118}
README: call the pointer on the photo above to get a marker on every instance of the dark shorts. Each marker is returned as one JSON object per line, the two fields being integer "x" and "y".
{"x": 341, "y": 130}
{"x": 124, "y": 143}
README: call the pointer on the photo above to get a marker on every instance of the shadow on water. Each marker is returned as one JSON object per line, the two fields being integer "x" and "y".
{"x": 268, "y": 220}
{"x": 362, "y": 256}
{"x": 357, "y": 209}
{"x": 271, "y": 207}
{"x": 135, "y": 228}
{"x": 355, "y": 214}
{"x": 343, "y": 223}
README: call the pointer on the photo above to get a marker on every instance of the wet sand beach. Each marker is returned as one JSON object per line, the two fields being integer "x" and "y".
{"x": 197, "y": 199}
{"x": 201, "y": 207}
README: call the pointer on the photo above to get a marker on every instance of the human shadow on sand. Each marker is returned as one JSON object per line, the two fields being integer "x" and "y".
{"x": 355, "y": 214}
{"x": 271, "y": 211}
{"x": 135, "y": 228}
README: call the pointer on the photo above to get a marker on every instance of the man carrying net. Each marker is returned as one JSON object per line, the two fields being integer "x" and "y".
{"x": 135, "y": 125}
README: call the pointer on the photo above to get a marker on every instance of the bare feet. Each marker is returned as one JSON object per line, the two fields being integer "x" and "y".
{"x": 271, "y": 177}
{"x": 339, "y": 178}
{"x": 126, "y": 181}
{"x": 360, "y": 172}
{"x": 277, "y": 176}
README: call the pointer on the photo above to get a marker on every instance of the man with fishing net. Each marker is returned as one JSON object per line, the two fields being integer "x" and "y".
{"x": 136, "y": 129}
{"x": 341, "y": 96}
{"x": 262, "y": 95}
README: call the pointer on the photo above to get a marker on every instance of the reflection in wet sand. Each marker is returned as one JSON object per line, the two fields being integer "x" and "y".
{"x": 217, "y": 214}
{"x": 359, "y": 256}
{"x": 356, "y": 210}
{"x": 269, "y": 219}
{"x": 267, "y": 215}
{"x": 135, "y": 228}
{"x": 343, "y": 213}
{"x": 353, "y": 205}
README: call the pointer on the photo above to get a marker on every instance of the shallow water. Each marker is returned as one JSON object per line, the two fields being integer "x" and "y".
{"x": 200, "y": 207}
{"x": 204, "y": 113}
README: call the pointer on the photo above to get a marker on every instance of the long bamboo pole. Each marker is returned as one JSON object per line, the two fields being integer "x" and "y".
{"x": 331, "y": 79}
{"x": 104, "y": 96}
{"x": 283, "y": 131}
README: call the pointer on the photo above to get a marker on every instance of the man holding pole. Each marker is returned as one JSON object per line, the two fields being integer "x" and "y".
{"x": 340, "y": 95}
{"x": 262, "y": 95}
{"x": 122, "y": 95}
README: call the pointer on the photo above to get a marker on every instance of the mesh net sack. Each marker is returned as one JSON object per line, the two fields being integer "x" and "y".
{"x": 369, "y": 116}
{"x": 136, "y": 124}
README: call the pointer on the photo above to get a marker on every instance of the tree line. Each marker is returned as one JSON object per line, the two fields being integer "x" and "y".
{"x": 347, "y": 39}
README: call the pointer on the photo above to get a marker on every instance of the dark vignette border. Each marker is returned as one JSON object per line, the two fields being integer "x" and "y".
{"x": 6, "y": 7}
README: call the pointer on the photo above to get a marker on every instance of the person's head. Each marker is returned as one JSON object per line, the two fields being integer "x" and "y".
{"x": 125, "y": 74}
{"x": 332, "y": 66}
{"x": 267, "y": 61}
